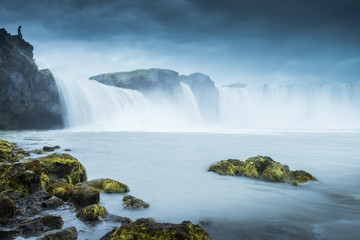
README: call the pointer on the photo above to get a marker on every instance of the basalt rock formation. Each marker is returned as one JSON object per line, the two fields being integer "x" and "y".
{"x": 29, "y": 98}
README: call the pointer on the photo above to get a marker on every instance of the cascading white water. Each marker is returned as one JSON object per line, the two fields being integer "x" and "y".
{"x": 93, "y": 106}
{"x": 305, "y": 107}
{"x": 90, "y": 105}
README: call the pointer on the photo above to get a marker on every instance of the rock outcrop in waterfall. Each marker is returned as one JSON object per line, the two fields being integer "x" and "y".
{"x": 29, "y": 98}
{"x": 166, "y": 81}
{"x": 143, "y": 80}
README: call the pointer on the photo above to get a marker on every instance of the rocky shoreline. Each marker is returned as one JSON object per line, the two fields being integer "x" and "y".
{"x": 31, "y": 186}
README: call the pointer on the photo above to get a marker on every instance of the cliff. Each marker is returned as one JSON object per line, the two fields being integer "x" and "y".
{"x": 29, "y": 98}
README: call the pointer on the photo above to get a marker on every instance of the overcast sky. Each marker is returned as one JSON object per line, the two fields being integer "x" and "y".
{"x": 257, "y": 40}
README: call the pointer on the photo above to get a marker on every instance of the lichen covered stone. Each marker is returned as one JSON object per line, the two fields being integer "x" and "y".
{"x": 6, "y": 150}
{"x": 149, "y": 229}
{"x": 92, "y": 212}
{"x": 107, "y": 185}
{"x": 81, "y": 196}
{"x": 134, "y": 203}
{"x": 25, "y": 177}
{"x": 263, "y": 168}
{"x": 63, "y": 168}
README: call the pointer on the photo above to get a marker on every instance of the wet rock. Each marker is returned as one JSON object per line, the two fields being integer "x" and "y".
{"x": 42, "y": 224}
{"x": 67, "y": 150}
{"x": 53, "y": 203}
{"x": 50, "y": 149}
{"x": 6, "y": 150}
{"x": 92, "y": 212}
{"x": 81, "y": 196}
{"x": 263, "y": 168}
{"x": 62, "y": 234}
{"x": 7, "y": 207}
{"x": 149, "y": 229}
{"x": 107, "y": 185}
{"x": 38, "y": 151}
{"x": 134, "y": 203}
{"x": 114, "y": 218}
{"x": 8, "y": 233}
{"x": 25, "y": 177}
{"x": 63, "y": 168}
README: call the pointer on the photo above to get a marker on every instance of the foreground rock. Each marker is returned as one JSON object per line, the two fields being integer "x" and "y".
{"x": 92, "y": 212}
{"x": 23, "y": 177}
{"x": 149, "y": 229}
{"x": 134, "y": 203}
{"x": 263, "y": 168}
{"x": 107, "y": 185}
{"x": 42, "y": 224}
{"x": 29, "y": 98}
{"x": 63, "y": 168}
{"x": 79, "y": 195}
{"x": 62, "y": 234}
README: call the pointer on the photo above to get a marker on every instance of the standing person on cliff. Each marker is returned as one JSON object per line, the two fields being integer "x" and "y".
{"x": 19, "y": 32}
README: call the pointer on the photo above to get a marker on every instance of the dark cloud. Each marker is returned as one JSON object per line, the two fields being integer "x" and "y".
{"x": 262, "y": 35}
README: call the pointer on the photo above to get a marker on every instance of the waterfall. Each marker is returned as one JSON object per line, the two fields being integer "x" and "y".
{"x": 300, "y": 106}
{"x": 90, "y": 105}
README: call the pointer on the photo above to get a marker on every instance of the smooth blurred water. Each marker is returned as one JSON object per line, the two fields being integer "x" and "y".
{"x": 169, "y": 171}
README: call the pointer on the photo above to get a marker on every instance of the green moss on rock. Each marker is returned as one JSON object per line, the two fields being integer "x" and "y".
{"x": 107, "y": 185}
{"x": 261, "y": 167}
{"x": 81, "y": 196}
{"x": 23, "y": 177}
{"x": 134, "y": 203}
{"x": 92, "y": 212}
{"x": 63, "y": 168}
{"x": 6, "y": 150}
{"x": 150, "y": 230}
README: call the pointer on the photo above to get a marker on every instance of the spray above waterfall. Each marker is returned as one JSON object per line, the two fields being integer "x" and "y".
{"x": 161, "y": 100}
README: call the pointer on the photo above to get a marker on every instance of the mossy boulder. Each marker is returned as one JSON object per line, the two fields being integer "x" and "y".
{"x": 261, "y": 167}
{"x": 134, "y": 203}
{"x": 63, "y": 168}
{"x": 24, "y": 177}
{"x": 92, "y": 212}
{"x": 107, "y": 185}
{"x": 150, "y": 230}
{"x": 7, "y": 207}
{"x": 81, "y": 196}
{"x": 6, "y": 150}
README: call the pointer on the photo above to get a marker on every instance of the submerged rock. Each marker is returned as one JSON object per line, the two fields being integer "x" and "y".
{"x": 62, "y": 234}
{"x": 107, "y": 185}
{"x": 92, "y": 212}
{"x": 134, "y": 203}
{"x": 263, "y": 168}
{"x": 81, "y": 196}
{"x": 114, "y": 218}
{"x": 149, "y": 229}
{"x": 29, "y": 97}
{"x": 50, "y": 149}
{"x": 63, "y": 168}
{"x": 42, "y": 224}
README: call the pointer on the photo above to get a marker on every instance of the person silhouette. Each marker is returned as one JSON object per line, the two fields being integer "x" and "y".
{"x": 19, "y": 32}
